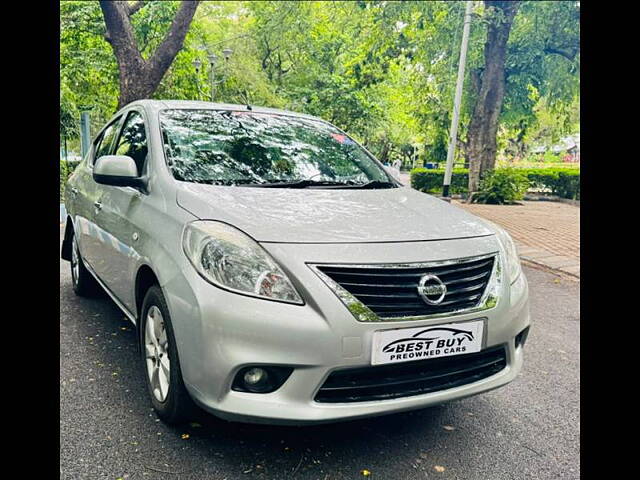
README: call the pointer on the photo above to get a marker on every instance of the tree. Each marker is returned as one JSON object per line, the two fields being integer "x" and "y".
{"x": 383, "y": 71}
{"x": 140, "y": 77}
{"x": 483, "y": 128}
{"x": 530, "y": 59}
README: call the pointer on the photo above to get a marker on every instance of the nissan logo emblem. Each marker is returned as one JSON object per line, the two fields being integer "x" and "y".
{"x": 431, "y": 289}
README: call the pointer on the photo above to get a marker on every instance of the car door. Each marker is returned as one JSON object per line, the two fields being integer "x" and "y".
{"x": 87, "y": 195}
{"x": 118, "y": 206}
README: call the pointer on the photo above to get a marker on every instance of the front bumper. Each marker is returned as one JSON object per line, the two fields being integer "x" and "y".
{"x": 219, "y": 332}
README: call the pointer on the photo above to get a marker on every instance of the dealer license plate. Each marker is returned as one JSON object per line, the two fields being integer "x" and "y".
{"x": 420, "y": 343}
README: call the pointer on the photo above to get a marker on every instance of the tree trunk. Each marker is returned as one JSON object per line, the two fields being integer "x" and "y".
{"x": 483, "y": 127}
{"x": 139, "y": 78}
{"x": 384, "y": 154}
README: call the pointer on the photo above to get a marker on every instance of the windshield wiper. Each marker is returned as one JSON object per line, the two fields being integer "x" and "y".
{"x": 373, "y": 184}
{"x": 300, "y": 184}
{"x": 323, "y": 184}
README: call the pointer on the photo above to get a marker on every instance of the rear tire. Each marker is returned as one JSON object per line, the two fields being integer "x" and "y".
{"x": 163, "y": 376}
{"x": 83, "y": 283}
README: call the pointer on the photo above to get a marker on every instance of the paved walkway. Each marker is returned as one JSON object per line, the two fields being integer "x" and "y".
{"x": 546, "y": 233}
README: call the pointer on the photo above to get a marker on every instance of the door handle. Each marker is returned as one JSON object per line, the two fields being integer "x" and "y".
{"x": 98, "y": 205}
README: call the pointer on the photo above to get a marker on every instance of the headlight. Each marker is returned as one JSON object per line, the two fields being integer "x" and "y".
{"x": 228, "y": 258}
{"x": 512, "y": 258}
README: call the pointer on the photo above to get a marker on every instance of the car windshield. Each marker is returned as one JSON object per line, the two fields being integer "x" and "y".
{"x": 264, "y": 149}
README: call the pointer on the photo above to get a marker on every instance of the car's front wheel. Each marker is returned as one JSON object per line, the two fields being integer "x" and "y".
{"x": 169, "y": 397}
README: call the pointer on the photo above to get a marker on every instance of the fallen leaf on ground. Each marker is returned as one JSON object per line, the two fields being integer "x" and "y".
{"x": 365, "y": 472}
{"x": 449, "y": 428}
{"x": 184, "y": 436}
{"x": 439, "y": 469}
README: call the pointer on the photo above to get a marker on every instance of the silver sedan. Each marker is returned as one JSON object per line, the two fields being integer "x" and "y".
{"x": 278, "y": 273}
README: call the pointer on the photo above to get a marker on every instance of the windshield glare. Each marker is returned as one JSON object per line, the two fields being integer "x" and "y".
{"x": 237, "y": 147}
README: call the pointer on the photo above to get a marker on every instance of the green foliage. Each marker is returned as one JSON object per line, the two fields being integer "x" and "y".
{"x": 68, "y": 112}
{"x": 88, "y": 70}
{"x": 551, "y": 157}
{"x": 543, "y": 58}
{"x": 561, "y": 181}
{"x": 502, "y": 186}
{"x": 431, "y": 180}
{"x": 568, "y": 185}
{"x": 66, "y": 169}
{"x": 383, "y": 71}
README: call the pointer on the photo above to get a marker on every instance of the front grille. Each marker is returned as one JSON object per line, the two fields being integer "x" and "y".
{"x": 411, "y": 378}
{"x": 392, "y": 291}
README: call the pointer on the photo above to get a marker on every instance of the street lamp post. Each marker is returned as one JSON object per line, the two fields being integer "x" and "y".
{"x": 85, "y": 129}
{"x": 213, "y": 60}
{"x": 197, "y": 63}
{"x": 458, "y": 97}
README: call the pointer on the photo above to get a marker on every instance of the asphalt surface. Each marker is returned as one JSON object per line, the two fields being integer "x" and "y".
{"x": 527, "y": 429}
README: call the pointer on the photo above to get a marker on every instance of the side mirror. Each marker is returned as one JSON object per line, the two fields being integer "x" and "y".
{"x": 118, "y": 171}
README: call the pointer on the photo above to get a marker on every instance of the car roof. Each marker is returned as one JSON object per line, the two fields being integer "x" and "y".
{"x": 154, "y": 106}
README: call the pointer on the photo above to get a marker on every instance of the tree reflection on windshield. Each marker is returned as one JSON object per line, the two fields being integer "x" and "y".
{"x": 233, "y": 147}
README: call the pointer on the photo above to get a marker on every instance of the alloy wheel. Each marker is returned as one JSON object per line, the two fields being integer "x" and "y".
{"x": 156, "y": 346}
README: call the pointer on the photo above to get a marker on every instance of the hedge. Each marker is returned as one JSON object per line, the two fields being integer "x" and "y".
{"x": 430, "y": 181}
{"x": 563, "y": 182}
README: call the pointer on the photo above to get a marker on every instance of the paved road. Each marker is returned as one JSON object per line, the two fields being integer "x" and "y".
{"x": 528, "y": 429}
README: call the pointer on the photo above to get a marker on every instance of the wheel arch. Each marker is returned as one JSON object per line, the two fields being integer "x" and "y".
{"x": 145, "y": 278}
{"x": 65, "y": 252}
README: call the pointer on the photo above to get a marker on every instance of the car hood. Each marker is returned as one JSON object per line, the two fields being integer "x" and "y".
{"x": 288, "y": 215}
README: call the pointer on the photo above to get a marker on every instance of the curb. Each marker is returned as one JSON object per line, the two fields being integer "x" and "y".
{"x": 551, "y": 261}
{"x": 546, "y": 268}
{"x": 551, "y": 198}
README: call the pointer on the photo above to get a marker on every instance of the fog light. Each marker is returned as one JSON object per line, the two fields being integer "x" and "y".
{"x": 260, "y": 379}
{"x": 255, "y": 376}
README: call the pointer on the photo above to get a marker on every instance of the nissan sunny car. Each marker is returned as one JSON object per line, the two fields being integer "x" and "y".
{"x": 277, "y": 273}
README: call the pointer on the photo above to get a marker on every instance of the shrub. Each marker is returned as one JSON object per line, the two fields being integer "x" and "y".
{"x": 569, "y": 185}
{"x": 561, "y": 181}
{"x": 430, "y": 181}
{"x": 542, "y": 178}
{"x": 505, "y": 185}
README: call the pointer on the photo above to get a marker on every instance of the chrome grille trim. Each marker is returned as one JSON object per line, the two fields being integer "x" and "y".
{"x": 483, "y": 301}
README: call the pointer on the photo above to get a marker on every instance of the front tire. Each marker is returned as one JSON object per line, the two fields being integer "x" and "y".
{"x": 163, "y": 376}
